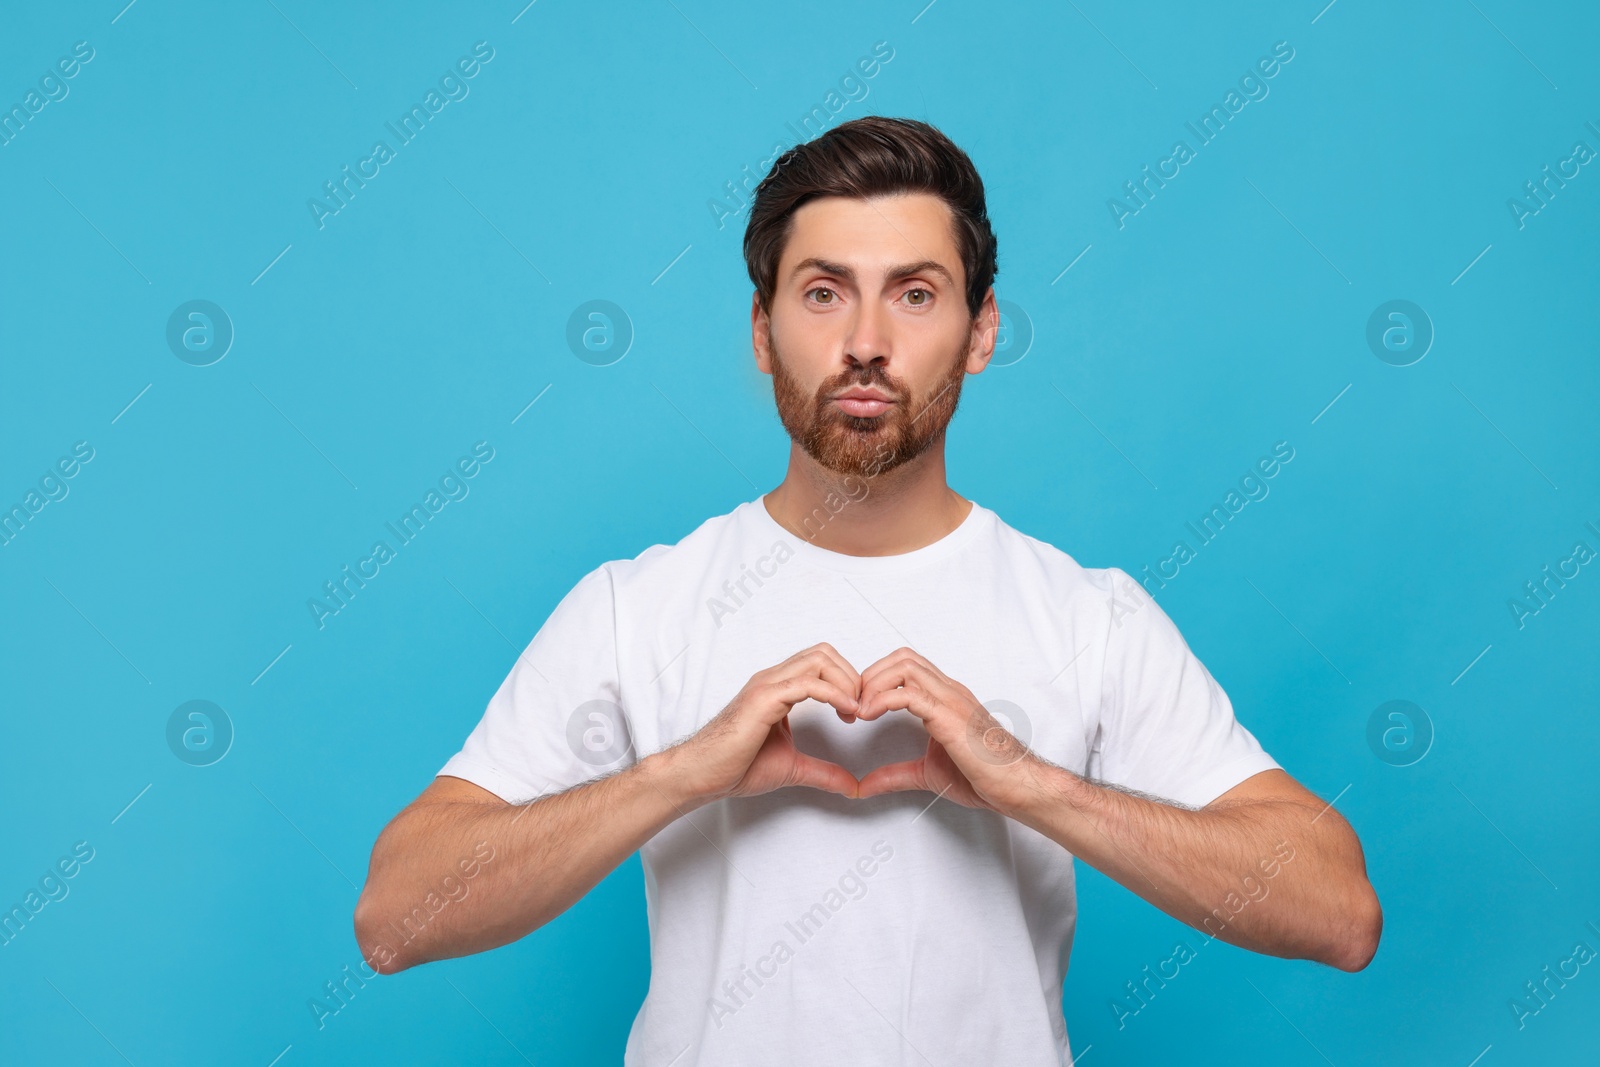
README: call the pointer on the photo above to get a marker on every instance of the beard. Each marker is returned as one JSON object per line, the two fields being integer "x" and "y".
{"x": 865, "y": 446}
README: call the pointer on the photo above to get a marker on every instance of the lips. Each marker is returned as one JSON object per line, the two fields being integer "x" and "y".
{"x": 864, "y": 409}
{"x": 862, "y": 403}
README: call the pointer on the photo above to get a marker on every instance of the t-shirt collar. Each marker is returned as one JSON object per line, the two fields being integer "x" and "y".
{"x": 767, "y": 530}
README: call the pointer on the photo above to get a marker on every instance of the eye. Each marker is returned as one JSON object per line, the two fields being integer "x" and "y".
{"x": 918, "y": 303}
{"x": 822, "y": 289}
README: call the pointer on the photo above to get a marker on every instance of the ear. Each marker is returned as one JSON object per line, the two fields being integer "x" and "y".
{"x": 985, "y": 332}
{"x": 760, "y": 334}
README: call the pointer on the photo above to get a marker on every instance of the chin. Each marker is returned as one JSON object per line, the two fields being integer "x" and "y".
{"x": 863, "y": 447}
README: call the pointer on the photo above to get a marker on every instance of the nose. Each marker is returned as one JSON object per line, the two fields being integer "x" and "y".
{"x": 868, "y": 343}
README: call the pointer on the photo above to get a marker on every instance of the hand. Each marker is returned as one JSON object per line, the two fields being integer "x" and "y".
{"x": 971, "y": 759}
{"x": 748, "y": 749}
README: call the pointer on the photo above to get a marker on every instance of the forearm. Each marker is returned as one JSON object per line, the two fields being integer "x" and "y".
{"x": 1277, "y": 876}
{"x": 545, "y": 856}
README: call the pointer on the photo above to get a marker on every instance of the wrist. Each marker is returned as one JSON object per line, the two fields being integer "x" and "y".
{"x": 669, "y": 771}
{"x": 1041, "y": 791}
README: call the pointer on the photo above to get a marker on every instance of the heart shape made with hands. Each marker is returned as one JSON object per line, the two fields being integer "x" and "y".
{"x": 970, "y": 756}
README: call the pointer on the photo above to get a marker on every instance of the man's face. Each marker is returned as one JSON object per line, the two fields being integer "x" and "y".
{"x": 868, "y": 338}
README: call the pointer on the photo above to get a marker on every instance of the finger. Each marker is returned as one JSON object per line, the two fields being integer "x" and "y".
{"x": 905, "y": 653}
{"x": 829, "y": 672}
{"x": 826, "y": 652}
{"x": 912, "y": 698}
{"x": 828, "y": 664}
{"x": 887, "y": 673}
{"x": 834, "y": 668}
{"x": 781, "y": 697}
{"x": 896, "y": 669}
{"x": 891, "y": 689}
{"x": 820, "y": 774}
{"x": 846, "y": 683}
{"x": 894, "y": 778}
{"x": 897, "y": 657}
{"x": 915, "y": 671}
{"x": 844, "y": 665}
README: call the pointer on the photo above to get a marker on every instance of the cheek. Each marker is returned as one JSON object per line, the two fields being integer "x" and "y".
{"x": 807, "y": 354}
{"x": 941, "y": 352}
{"x": 792, "y": 394}
{"x": 947, "y": 329}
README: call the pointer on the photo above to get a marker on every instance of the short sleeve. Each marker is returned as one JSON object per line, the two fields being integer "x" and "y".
{"x": 557, "y": 720}
{"x": 1166, "y": 727}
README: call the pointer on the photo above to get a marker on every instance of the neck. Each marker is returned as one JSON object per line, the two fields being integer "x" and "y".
{"x": 882, "y": 514}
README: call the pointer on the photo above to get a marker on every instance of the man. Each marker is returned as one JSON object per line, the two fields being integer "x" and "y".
{"x": 893, "y": 880}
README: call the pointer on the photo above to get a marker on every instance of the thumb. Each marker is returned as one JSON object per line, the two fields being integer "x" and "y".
{"x": 820, "y": 774}
{"x": 894, "y": 778}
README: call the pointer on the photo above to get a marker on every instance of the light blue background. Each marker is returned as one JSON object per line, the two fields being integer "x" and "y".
{"x": 1225, "y": 316}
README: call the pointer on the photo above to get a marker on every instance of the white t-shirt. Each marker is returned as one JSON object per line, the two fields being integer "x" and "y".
{"x": 802, "y": 927}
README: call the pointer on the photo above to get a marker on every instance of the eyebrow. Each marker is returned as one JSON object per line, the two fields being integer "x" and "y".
{"x": 926, "y": 266}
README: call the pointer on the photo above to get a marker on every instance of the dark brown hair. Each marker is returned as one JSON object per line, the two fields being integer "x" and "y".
{"x": 865, "y": 157}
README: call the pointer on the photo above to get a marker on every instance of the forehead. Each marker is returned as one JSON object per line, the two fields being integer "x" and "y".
{"x": 872, "y": 235}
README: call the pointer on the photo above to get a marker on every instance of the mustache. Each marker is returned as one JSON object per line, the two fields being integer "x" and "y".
{"x": 864, "y": 377}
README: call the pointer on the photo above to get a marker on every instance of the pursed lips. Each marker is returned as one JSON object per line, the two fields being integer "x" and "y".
{"x": 862, "y": 403}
